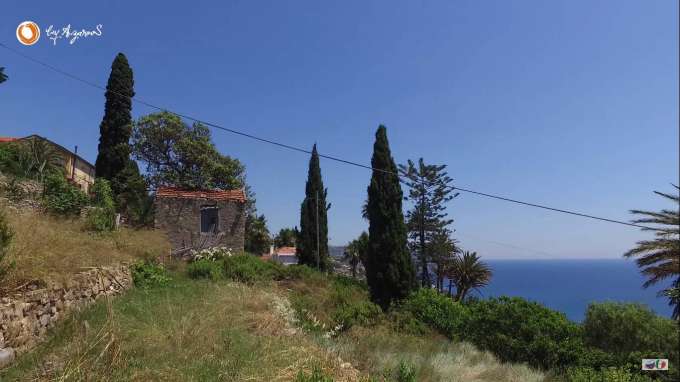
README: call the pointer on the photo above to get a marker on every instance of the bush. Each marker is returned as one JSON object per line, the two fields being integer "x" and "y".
{"x": 102, "y": 217}
{"x": 250, "y": 269}
{"x": 364, "y": 313}
{"x": 612, "y": 374}
{"x": 62, "y": 198}
{"x": 405, "y": 373}
{"x": 438, "y": 311}
{"x": 6, "y": 235}
{"x": 211, "y": 254}
{"x": 517, "y": 330}
{"x": 622, "y": 328}
{"x": 148, "y": 274}
{"x": 206, "y": 269}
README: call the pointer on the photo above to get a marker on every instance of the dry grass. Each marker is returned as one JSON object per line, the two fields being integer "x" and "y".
{"x": 50, "y": 249}
{"x": 187, "y": 331}
{"x": 380, "y": 349}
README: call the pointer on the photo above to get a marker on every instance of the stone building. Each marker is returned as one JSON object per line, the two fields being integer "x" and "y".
{"x": 201, "y": 219}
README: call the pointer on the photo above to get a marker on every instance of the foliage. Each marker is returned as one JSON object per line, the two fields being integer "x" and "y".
{"x": 31, "y": 158}
{"x": 443, "y": 250}
{"x": 429, "y": 191}
{"x": 405, "y": 373}
{"x": 314, "y": 233}
{"x": 250, "y": 269}
{"x": 62, "y": 198}
{"x": 517, "y": 330}
{"x": 286, "y": 238}
{"x": 102, "y": 218}
{"x": 357, "y": 251}
{"x": 257, "y": 238}
{"x": 467, "y": 272}
{"x": 659, "y": 259}
{"x": 6, "y": 235}
{"x": 148, "y": 274}
{"x": 206, "y": 269}
{"x": 389, "y": 269}
{"x": 131, "y": 195}
{"x": 317, "y": 375}
{"x": 437, "y": 311}
{"x": 116, "y": 126}
{"x": 630, "y": 332}
{"x": 183, "y": 156}
{"x": 610, "y": 374}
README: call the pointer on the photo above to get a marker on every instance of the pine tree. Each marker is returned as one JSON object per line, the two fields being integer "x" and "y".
{"x": 389, "y": 270}
{"x": 429, "y": 191}
{"x": 113, "y": 160}
{"x": 307, "y": 238}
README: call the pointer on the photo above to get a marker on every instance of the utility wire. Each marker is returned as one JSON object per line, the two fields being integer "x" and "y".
{"x": 302, "y": 150}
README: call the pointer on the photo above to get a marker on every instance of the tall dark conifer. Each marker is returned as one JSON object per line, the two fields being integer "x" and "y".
{"x": 116, "y": 126}
{"x": 389, "y": 270}
{"x": 307, "y": 237}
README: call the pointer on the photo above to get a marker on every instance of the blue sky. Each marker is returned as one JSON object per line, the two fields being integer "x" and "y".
{"x": 572, "y": 104}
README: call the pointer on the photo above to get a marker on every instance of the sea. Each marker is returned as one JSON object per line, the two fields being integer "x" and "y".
{"x": 570, "y": 285}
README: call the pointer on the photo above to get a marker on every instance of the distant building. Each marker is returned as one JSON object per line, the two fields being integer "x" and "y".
{"x": 78, "y": 171}
{"x": 201, "y": 219}
{"x": 283, "y": 255}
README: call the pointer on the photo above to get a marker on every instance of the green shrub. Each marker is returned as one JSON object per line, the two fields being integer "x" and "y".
{"x": 438, "y": 311}
{"x": 622, "y": 328}
{"x": 364, "y": 313}
{"x": 405, "y": 373}
{"x": 403, "y": 321}
{"x": 62, "y": 198}
{"x": 102, "y": 217}
{"x": 517, "y": 330}
{"x": 206, "y": 269}
{"x": 6, "y": 235}
{"x": 250, "y": 269}
{"x": 148, "y": 274}
{"x": 612, "y": 374}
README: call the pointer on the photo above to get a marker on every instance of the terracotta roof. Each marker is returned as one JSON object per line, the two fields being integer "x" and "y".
{"x": 285, "y": 251}
{"x": 171, "y": 192}
{"x": 8, "y": 139}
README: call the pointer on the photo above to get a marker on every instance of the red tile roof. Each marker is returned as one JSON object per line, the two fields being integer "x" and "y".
{"x": 231, "y": 195}
{"x": 285, "y": 251}
{"x": 8, "y": 139}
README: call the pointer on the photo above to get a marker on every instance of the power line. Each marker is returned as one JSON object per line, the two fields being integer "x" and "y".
{"x": 302, "y": 150}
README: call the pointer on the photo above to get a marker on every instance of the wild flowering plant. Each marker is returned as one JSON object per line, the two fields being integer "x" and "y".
{"x": 211, "y": 254}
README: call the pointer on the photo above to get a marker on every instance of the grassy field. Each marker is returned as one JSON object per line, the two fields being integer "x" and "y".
{"x": 200, "y": 330}
{"x": 51, "y": 249}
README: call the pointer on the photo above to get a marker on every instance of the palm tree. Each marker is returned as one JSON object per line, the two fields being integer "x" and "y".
{"x": 659, "y": 259}
{"x": 356, "y": 252}
{"x": 3, "y": 76}
{"x": 468, "y": 272}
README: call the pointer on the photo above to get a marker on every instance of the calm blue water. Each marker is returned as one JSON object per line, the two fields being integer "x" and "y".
{"x": 569, "y": 285}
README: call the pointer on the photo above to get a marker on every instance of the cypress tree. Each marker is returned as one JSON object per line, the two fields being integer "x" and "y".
{"x": 389, "y": 270}
{"x": 113, "y": 160}
{"x": 307, "y": 237}
{"x": 116, "y": 126}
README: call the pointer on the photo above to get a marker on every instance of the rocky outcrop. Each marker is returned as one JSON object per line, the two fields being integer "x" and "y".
{"x": 25, "y": 316}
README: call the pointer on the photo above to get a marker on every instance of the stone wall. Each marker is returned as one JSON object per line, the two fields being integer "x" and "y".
{"x": 180, "y": 218}
{"x": 25, "y": 316}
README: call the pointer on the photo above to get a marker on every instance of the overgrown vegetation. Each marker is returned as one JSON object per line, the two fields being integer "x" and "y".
{"x": 62, "y": 198}
{"x": 6, "y": 235}
{"x": 149, "y": 274}
{"x": 101, "y": 218}
{"x": 49, "y": 247}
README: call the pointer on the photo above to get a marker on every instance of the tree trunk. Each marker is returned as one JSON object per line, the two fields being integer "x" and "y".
{"x": 425, "y": 275}
{"x": 450, "y": 285}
